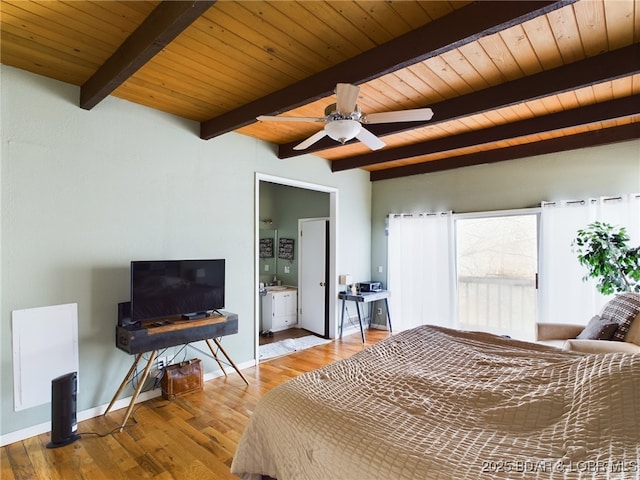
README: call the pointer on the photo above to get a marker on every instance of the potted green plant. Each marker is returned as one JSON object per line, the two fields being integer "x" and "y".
{"x": 603, "y": 249}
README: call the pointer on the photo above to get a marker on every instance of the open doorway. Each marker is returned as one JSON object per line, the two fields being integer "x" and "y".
{"x": 279, "y": 203}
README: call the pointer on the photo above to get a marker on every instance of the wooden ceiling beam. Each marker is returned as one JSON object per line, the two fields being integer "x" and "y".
{"x": 601, "y": 68}
{"x": 571, "y": 142}
{"x": 599, "y": 112}
{"x": 164, "y": 24}
{"x": 459, "y": 28}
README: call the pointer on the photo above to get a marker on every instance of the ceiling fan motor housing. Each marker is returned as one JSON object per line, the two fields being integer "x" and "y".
{"x": 331, "y": 113}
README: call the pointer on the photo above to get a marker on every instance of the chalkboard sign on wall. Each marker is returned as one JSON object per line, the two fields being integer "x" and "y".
{"x": 285, "y": 248}
{"x": 266, "y": 248}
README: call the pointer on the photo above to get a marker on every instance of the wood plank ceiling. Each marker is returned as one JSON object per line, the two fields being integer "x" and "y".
{"x": 505, "y": 79}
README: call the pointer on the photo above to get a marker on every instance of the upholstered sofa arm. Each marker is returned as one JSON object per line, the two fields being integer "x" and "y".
{"x": 557, "y": 331}
{"x": 600, "y": 346}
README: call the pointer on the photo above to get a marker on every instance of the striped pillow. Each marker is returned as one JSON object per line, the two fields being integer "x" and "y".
{"x": 633, "y": 335}
{"x": 622, "y": 310}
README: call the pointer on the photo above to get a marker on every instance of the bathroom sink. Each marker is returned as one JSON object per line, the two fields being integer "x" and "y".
{"x": 271, "y": 288}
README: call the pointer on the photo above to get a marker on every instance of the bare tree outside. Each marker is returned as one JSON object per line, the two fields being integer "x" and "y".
{"x": 496, "y": 267}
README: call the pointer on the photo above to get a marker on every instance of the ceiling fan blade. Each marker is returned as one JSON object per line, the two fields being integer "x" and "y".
{"x": 273, "y": 118}
{"x": 415, "y": 115}
{"x": 369, "y": 139}
{"x": 346, "y": 98}
{"x": 311, "y": 140}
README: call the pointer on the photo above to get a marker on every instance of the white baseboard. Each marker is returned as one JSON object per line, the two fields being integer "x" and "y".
{"x": 45, "y": 427}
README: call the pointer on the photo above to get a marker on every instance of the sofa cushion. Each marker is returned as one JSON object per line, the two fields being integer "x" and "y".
{"x": 622, "y": 310}
{"x": 598, "y": 329}
{"x": 557, "y": 343}
{"x": 633, "y": 335}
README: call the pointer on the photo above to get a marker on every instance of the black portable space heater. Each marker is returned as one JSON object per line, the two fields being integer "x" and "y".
{"x": 64, "y": 391}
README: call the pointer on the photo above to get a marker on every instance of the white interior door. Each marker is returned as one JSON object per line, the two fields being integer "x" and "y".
{"x": 312, "y": 275}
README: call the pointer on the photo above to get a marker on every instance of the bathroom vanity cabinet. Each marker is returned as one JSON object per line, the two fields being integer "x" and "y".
{"x": 280, "y": 309}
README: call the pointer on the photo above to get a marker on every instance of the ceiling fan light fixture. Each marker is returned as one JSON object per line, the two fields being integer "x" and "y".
{"x": 344, "y": 120}
{"x": 343, "y": 130}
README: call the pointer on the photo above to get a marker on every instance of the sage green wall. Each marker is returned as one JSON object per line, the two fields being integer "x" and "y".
{"x": 589, "y": 172}
{"x": 292, "y": 204}
{"x": 85, "y": 192}
{"x": 284, "y": 205}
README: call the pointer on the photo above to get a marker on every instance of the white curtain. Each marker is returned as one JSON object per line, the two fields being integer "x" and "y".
{"x": 564, "y": 297}
{"x": 421, "y": 276}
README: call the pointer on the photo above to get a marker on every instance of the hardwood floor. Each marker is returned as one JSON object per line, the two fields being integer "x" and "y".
{"x": 193, "y": 437}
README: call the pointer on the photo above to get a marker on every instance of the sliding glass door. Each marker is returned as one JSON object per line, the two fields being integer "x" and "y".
{"x": 496, "y": 259}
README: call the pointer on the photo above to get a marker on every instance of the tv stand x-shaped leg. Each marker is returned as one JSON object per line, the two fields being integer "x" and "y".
{"x": 215, "y": 356}
{"x": 141, "y": 382}
{"x": 147, "y": 369}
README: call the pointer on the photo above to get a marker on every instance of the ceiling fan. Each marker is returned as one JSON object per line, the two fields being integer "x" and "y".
{"x": 343, "y": 120}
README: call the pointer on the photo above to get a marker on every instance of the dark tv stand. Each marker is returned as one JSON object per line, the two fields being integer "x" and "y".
{"x": 152, "y": 336}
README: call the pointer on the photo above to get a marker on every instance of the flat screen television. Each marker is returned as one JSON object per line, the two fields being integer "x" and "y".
{"x": 176, "y": 288}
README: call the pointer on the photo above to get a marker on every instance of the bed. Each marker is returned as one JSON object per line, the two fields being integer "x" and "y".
{"x": 435, "y": 403}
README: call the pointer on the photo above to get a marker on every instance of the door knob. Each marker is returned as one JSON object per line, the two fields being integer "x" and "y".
{"x": 322, "y": 284}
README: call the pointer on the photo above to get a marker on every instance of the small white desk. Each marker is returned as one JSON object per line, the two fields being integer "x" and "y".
{"x": 364, "y": 297}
